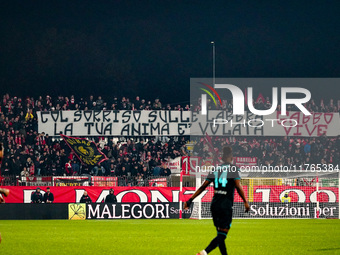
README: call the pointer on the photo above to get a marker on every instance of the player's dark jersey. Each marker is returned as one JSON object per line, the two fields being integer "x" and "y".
{"x": 223, "y": 179}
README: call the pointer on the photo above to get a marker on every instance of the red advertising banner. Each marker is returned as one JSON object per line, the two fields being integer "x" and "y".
{"x": 189, "y": 164}
{"x": 36, "y": 179}
{"x": 296, "y": 193}
{"x": 158, "y": 182}
{"x": 103, "y": 181}
{"x": 174, "y": 165}
{"x": 100, "y": 181}
{"x": 72, "y": 194}
{"x": 67, "y": 194}
{"x": 245, "y": 161}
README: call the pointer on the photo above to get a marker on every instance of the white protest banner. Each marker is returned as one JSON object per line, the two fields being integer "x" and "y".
{"x": 114, "y": 123}
{"x": 222, "y": 123}
{"x": 179, "y": 123}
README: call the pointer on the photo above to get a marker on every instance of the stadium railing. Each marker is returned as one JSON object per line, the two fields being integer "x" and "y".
{"x": 88, "y": 180}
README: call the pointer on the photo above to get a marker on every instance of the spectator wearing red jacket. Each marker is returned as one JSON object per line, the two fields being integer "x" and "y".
{"x": 68, "y": 168}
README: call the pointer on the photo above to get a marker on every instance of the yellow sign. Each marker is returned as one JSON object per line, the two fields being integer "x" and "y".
{"x": 77, "y": 211}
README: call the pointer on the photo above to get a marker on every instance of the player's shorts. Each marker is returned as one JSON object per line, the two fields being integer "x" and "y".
{"x": 222, "y": 214}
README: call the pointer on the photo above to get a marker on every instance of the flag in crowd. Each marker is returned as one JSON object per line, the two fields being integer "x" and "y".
{"x": 86, "y": 150}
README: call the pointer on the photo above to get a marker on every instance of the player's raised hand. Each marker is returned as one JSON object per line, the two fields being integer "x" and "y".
{"x": 247, "y": 206}
{"x": 188, "y": 203}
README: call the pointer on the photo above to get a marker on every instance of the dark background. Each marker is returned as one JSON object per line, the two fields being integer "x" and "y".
{"x": 152, "y": 48}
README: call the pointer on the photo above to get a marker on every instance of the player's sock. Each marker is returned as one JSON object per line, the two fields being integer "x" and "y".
{"x": 221, "y": 246}
{"x": 217, "y": 241}
{"x": 213, "y": 244}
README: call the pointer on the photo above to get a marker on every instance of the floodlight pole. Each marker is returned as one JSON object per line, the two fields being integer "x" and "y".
{"x": 213, "y": 60}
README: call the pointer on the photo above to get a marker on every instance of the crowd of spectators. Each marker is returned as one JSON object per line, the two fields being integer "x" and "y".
{"x": 28, "y": 152}
{"x": 14, "y": 106}
{"x": 281, "y": 151}
{"x": 40, "y": 155}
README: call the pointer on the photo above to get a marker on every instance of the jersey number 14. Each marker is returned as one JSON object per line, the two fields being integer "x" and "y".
{"x": 222, "y": 179}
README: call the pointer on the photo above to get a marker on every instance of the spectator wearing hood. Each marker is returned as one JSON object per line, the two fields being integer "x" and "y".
{"x": 111, "y": 198}
{"x": 36, "y": 196}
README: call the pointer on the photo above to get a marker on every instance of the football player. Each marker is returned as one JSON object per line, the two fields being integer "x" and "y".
{"x": 226, "y": 179}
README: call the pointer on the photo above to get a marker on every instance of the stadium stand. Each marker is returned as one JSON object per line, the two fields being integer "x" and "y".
{"x": 29, "y": 153}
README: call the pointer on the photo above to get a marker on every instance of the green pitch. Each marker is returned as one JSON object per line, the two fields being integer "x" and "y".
{"x": 167, "y": 237}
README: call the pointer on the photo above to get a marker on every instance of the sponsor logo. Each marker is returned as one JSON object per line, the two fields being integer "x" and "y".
{"x": 289, "y": 211}
{"x": 77, "y": 211}
{"x": 128, "y": 211}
